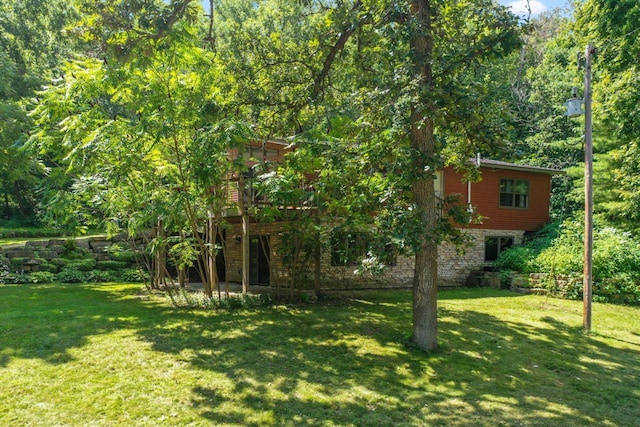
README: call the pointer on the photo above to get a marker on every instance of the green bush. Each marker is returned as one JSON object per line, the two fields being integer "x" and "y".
{"x": 17, "y": 263}
{"x": 4, "y": 274}
{"x": 48, "y": 267}
{"x": 83, "y": 264}
{"x": 621, "y": 289}
{"x": 616, "y": 263}
{"x": 518, "y": 258}
{"x": 42, "y": 277}
{"x": 523, "y": 258}
{"x": 134, "y": 275}
{"x": 117, "y": 253}
{"x": 60, "y": 262}
{"x": 16, "y": 278}
{"x": 69, "y": 275}
{"x": 111, "y": 265}
{"x": 103, "y": 276}
{"x": 73, "y": 252}
{"x": 181, "y": 297}
{"x": 9, "y": 231}
{"x": 615, "y": 253}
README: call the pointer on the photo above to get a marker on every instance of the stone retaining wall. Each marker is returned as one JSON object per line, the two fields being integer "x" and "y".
{"x": 538, "y": 282}
{"x": 29, "y": 257}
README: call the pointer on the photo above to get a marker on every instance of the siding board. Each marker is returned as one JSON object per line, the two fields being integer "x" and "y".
{"x": 485, "y": 198}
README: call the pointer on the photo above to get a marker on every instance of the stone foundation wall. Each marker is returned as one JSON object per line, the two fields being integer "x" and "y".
{"x": 454, "y": 267}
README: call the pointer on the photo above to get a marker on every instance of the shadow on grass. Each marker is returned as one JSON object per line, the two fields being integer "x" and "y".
{"x": 306, "y": 367}
{"x": 346, "y": 365}
{"x": 476, "y": 293}
{"x": 46, "y": 321}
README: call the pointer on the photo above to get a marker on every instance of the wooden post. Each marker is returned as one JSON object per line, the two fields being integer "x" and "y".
{"x": 245, "y": 233}
{"x": 587, "y": 279}
{"x": 211, "y": 256}
{"x": 317, "y": 256}
{"x": 159, "y": 279}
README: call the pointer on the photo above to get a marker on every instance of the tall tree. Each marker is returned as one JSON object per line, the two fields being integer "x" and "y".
{"x": 427, "y": 22}
{"x": 392, "y": 86}
{"x": 613, "y": 28}
{"x": 138, "y": 126}
{"x": 32, "y": 46}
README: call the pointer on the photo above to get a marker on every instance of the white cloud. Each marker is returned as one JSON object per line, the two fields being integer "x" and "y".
{"x": 520, "y": 7}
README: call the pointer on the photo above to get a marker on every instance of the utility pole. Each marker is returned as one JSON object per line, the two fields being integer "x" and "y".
{"x": 587, "y": 279}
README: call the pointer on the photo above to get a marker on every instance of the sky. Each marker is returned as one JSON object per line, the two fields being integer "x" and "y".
{"x": 537, "y": 6}
{"x": 518, "y": 6}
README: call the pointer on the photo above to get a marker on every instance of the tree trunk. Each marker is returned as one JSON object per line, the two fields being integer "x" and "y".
{"x": 317, "y": 257}
{"x": 24, "y": 207}
{"x": 7, "y": 206}
{"x": 425, "y": 291}
{"x": 160, "y": 261}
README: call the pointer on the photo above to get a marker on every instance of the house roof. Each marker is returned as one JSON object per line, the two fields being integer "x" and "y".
{"x": 283, "y": 143}
{"x": 497, "y": 164}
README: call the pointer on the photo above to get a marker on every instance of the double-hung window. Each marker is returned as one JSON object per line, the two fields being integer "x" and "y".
{"x": 514, "y": 193}
{"x": 493, "y": 246}
{"x": 349, "y": 248}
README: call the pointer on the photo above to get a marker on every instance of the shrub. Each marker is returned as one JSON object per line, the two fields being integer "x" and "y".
{"x": 69, "y": 275}
{"x": 622, "y": 289}
{"x": 134, "y": 275}
{"x": 112, "y": 265}
{"x": 60, "y": 262}
{"x": 103, "y": 276}
{"x": 117, "y": 253}
{"x": 4, "y": 274}
{"x": 16, "y": 278}
{"x": 48, "y": 267}
{"x": 523, "y": 258}
{"x": 8, "y": 229}
{"x": 616, "y": 263}
{"x": 17, "y": 263}
{"x": 518, "y": 258}
{"x": 41, "y": 277}
{"x": 181, "y": 297}
{"x": 84, "y": 264}
{"x": 615, "y": 253}
{"x": 73, "y": 252}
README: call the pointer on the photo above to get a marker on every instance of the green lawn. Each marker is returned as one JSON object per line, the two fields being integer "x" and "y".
{"x": 13, "y": 241}
{"x": 111, "y": 355}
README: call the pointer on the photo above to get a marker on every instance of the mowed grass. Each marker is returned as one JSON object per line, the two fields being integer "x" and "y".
{"x": 38, "y": 235}
{"x": 111, "y": 355}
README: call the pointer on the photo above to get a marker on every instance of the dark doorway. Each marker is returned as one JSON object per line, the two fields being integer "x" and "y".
{"x": 259, "y": 260}
{"x": 221, "y": 267}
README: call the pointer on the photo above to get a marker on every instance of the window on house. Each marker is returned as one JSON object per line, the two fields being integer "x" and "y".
{"x": 348, "y": 248}
{"x": 389, "y": 257}
{"x": 514, "y": 193}
{"x": 493, "y": 246}
{"x": 259, "y": 153}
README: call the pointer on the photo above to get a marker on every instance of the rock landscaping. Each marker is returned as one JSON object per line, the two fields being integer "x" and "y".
{"x": 70, "y": 260}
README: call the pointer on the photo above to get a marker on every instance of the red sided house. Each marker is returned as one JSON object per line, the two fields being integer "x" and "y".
{"x": 510, "y": 199}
